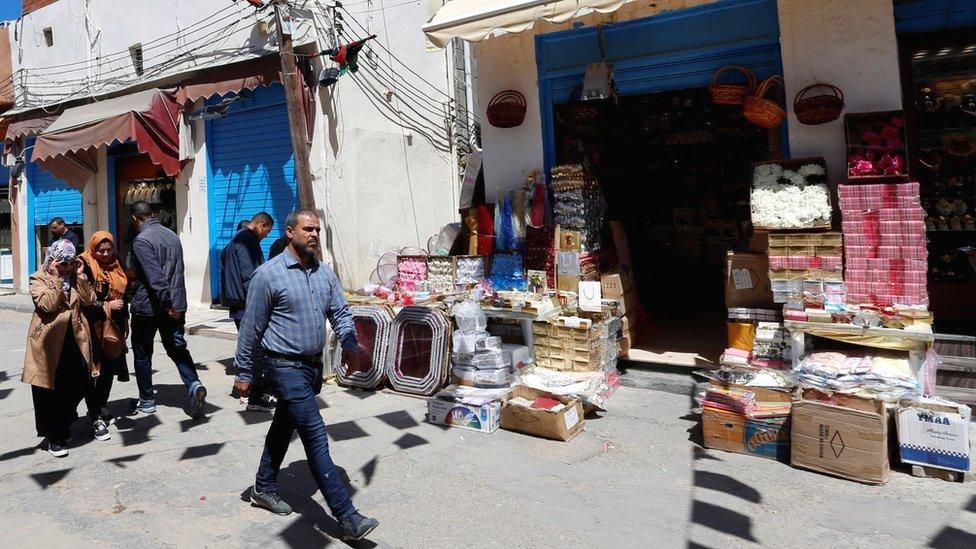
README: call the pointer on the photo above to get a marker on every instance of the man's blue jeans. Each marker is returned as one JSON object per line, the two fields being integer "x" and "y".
{"x": 297, "y": 384}
{"x": 171, "y": 332}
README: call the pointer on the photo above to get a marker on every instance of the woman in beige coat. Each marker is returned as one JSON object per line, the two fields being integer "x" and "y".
{"x": 58, "y": 363}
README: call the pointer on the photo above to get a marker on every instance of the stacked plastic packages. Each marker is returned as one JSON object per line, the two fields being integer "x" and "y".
{"x": 771, "y": 346}
{"x": 884, "y": 244}
{"x": 479, "y": 360}
{"x": 578, "y": 203}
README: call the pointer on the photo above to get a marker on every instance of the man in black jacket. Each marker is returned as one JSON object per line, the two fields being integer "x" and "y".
{"x": 238, "y": 260}
{"x": 60, "y": 231}
{"x": 158, "y": 302}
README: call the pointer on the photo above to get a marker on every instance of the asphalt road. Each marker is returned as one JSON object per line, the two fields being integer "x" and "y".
{"x": 634, "y": 478}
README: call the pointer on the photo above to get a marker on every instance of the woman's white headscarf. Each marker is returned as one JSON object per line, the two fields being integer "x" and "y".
{"x": 60, "y": 251}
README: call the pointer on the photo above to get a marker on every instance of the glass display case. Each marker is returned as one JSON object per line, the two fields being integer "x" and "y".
{"x": 939, "y": 89}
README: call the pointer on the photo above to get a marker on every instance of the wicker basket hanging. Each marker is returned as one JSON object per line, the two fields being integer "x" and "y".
{"x": 814, "y": 110}
{"x": 732, "y": 93}
{"x": 763, "y": 112}
{"x": 506, "y": 109}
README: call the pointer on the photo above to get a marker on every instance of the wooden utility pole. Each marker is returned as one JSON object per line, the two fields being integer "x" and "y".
{"x": 293, "y": 100}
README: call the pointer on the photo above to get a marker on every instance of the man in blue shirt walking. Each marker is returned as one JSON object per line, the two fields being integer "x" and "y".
{"x": 289, "y": 299}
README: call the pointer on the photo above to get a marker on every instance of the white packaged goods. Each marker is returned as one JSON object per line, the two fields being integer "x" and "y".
{"x": 934, "y": 432}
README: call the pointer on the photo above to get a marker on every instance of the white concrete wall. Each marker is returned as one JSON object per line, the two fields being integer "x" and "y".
{"x": 379, "y": 181}
{"x": 192, "y": 218}
{"x": 849, "y": 44}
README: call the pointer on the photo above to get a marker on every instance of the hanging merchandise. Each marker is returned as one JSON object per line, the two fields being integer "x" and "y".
{"x": 579, "y": 203}
{"x": 814, "y": 110}
{"x": 418, "y": 359}
{"x": 506, "y": 109}
{"x": 735, "y": 93}
{"x": 540, "y": 252}
{"x": 764, "y": 112}
{"x": 374, "y": 326}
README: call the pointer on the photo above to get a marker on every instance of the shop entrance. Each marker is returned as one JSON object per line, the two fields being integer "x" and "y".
{"x": 674, "y": 168}
{"x": 136, "y": 179}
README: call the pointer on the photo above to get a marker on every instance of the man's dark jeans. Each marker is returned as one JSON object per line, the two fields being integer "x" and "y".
{"x": 297, "y": 384}
{"x": 171, "y": 332}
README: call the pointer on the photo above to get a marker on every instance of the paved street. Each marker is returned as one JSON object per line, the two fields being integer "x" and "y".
{"x": 631, "y": 479}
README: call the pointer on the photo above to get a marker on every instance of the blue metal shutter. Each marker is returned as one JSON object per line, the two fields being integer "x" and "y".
{"x": 51, "y": 197}
{"x": 252, "y": 169}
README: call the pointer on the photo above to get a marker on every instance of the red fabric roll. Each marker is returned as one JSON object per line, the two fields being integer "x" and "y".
{"x": 486, "y": 221}
{"x": 486, "y": 243}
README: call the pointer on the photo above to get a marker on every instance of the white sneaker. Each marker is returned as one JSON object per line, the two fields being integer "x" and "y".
{"x": 56, "y": 450}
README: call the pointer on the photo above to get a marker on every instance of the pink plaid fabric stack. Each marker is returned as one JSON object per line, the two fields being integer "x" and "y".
{"x": 884, "y": 244}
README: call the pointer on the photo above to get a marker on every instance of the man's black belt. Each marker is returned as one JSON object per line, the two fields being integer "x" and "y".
{"x": 305, "y": 359}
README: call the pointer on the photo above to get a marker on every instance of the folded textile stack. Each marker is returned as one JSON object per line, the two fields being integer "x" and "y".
{"x": 879, "y": 376}
{"x": 884, "y": 222}
{"x": 772, "y": 346}
{"x": 578, "y": 203}
{"x": 479, "y": 359}
{"x": 374, "y": 327}
{"x": 735, "y": 357}
{"x": 418, "y": 359}
{"x": 748, "y": 392}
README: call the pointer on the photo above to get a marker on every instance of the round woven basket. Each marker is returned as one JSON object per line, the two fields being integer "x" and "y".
{"x": 506, "y": 109}
{"x": 763, "y": 112}
{"x": 733, "y": 93}
{"x": 814, "y": 110}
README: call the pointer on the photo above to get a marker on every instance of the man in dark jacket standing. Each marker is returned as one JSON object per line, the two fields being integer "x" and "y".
{"x": 60, "y": 231}
{"x": 238, "y": 260}
{"x": 158, "y": 303}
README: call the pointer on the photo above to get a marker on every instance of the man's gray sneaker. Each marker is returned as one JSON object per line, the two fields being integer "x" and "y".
{"x": 198, "y": 398}
{"x": 356, "y": 527}
{"x": 100, "y": 428}
{"x": 269, "y": 501}
{"x": 146, "y": 406}
{"x": 57, "y": 450}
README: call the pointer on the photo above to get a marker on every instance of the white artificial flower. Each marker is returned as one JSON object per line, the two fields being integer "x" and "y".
{"x": 812, "y": 169}
{"x": 767, "y": 172}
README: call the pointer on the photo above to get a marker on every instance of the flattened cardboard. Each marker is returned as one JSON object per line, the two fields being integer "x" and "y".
{"x": 733, "y": 432}
{"x": 562, "y": 425}
{"x": 845, "y": 442}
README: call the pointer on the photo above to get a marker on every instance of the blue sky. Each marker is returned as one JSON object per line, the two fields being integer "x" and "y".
{"x": 10, "y": 9}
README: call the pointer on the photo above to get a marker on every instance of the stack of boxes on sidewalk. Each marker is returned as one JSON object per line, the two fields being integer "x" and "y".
{"x": 855, "y": 345}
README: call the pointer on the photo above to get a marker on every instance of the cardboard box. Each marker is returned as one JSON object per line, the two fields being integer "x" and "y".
{"x": 934, "y": 433}
{"x": 733, "y": 432}
{"x": 846, "y": 442}
{"x": 629, "y": 303}
{"x": 624, "y": 345}
{"x": 620, "y": 244}
{"x": 562, "y": 425}
{"x": 485, "y": 418}
{"x": 567, "y": 283}
{"x": 759, "y": 243}
{"x": 616, "y": 284}
{"x": 747, "y": 281}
